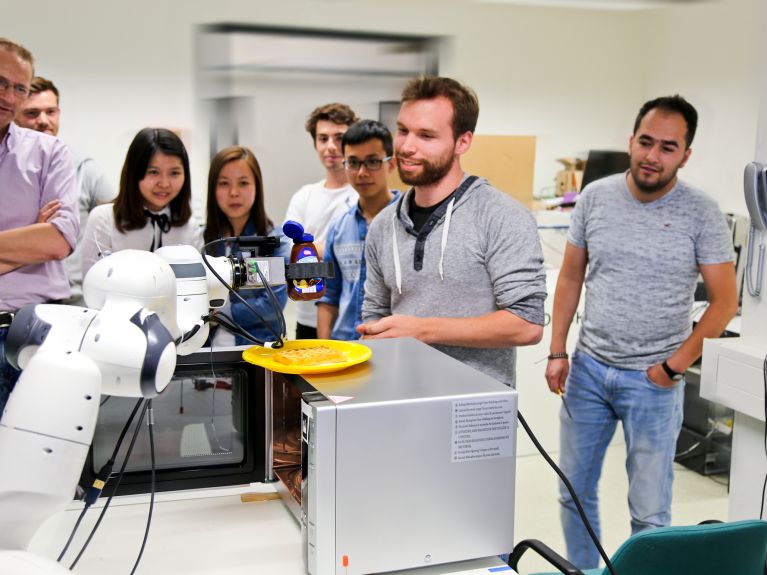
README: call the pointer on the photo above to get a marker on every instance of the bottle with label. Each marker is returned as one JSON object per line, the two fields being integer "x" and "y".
{"x": 304, "y": 251}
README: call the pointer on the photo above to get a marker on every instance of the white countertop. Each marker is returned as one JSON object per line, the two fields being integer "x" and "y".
{"x": 199, "y": 532}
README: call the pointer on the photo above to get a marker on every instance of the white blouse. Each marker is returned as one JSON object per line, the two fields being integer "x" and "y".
{"x": 101, "y": 236}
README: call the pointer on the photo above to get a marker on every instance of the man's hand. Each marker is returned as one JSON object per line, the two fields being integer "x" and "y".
{"x": 659, "y": 377}
{"x": 49, "y": 212}
{"x": 556, "y": 374}
{"x": 395, "y": 326}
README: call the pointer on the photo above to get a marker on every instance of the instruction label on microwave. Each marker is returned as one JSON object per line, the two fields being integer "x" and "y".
{"x": 482, "y": 429}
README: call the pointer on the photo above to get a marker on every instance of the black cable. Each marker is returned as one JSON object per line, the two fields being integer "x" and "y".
{"x": 275, "y": 304}
{"x": 764, "y": 485}
{"x": 72, "y": 534}
{"x": 114, "y": 491}
{"x": 125, "y": 430}
{"x": 230, "y": 324}
{"x": 570, "y": 489}
{"x": 234, "y": 292}
{"x": 102, "y": 477}
{"x": 190, "y": 334}
{"x": 278, "y": 311}
{"x": 150, "y": 423}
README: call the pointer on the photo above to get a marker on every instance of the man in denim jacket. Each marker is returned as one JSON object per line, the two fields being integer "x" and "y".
{"x": 367, "y": 149}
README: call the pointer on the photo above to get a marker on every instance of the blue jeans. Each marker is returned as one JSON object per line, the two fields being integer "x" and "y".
{"x": 8, "y": 375}
{"x": 598, "y": 396}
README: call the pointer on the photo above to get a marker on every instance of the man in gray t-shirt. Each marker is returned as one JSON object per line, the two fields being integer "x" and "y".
{"x": 639, "y": 240}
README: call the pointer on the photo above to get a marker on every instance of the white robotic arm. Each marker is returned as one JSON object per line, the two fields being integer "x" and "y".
{"x": 144, "y": 308}
{"x": 144, "y": 304}
{"x": 69, "y": 357}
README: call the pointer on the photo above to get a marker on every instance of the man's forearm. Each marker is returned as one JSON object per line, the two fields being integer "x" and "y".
{"x": 495, "y": 330}
{"x": 33, "y": 244}
{"x": 711, "y": 324}
{"x": 566, "y": 298}
{"x": 326, "y": 318}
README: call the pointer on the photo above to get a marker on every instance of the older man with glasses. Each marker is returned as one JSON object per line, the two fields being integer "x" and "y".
{"x": 368, "y": 159}
{"x": 35, "y": 170}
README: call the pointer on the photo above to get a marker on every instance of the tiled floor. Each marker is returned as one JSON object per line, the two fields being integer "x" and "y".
{"x": 696, "y": 498}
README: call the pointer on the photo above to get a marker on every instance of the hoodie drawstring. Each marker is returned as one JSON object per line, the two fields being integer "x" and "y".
{"x": 445, "y": 230}
{"x": 395, "y": 253}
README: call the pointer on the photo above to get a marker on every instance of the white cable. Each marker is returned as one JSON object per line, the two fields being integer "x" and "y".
{"x": 754, "y": 291}
{"x": 395, "y": 254}
{"x": 445, "y": 230}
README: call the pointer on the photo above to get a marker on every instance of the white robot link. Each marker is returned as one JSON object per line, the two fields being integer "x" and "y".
{"x": 144, "y": 308}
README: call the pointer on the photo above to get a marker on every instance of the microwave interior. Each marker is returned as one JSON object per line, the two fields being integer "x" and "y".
{"x": 287, "y": 391}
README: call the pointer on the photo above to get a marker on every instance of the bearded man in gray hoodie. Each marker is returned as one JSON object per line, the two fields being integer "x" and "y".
{"x": 454, "y": 262}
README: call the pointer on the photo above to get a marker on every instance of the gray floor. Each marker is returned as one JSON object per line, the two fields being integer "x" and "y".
{"x": 696, "y": 497}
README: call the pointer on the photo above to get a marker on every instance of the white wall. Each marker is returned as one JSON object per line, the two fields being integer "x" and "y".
{"x": 708, "y": 53}
{"x": 573, "y": 78}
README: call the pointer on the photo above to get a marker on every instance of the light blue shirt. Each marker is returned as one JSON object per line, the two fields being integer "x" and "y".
{"x": 345, "y": 247}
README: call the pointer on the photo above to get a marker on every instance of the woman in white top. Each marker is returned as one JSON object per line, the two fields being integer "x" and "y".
{"x": 153, "y": 206}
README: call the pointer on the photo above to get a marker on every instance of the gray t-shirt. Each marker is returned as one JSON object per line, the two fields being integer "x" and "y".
{"x": 94, "y": 190}
{"x": 643, "y": 263}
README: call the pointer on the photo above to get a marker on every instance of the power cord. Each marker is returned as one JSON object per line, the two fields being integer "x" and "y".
{"x": 150, "y": 423}
{"x": 230, "y": 324}
{"x": 117, "y": 484}
{"x": 764, "y": 485}
{"x": 102, "y": 477}
{"x": 570, "y": 489}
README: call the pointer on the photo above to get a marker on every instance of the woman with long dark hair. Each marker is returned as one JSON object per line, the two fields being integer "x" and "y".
{"x": 153, "y": 206}
{"x": 236, "y": 208}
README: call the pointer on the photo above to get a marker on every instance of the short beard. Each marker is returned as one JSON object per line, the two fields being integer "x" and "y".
{"x": 650, "y": 189}
{"x": 431, "y": 173}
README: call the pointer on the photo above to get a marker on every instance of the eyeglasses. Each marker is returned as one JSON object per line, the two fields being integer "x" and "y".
{"x": 19, "y": 90}
{"x": 371, "y": 164}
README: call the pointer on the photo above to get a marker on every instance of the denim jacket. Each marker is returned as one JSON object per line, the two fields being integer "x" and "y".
{"x": 345, "y": 247}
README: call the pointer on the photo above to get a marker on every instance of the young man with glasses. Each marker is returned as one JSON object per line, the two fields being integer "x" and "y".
{"x": 315, "y": 205}
{"x": 41, "y": 112}
{"x": 35, "y": 169}
{"x": 454, "y": 262}
{"x": 368, "y": 159}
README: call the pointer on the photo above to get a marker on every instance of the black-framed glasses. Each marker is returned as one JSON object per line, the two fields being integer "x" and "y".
{"x": 19, "y": 90}
{"x": 371, "y": 164}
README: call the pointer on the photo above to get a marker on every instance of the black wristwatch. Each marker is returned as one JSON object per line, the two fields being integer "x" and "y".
{"x": 674, "y": 375}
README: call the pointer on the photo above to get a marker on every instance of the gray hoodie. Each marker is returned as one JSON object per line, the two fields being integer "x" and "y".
{"x": 479, "y": 255}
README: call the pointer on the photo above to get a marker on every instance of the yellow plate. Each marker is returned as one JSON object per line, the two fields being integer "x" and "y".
{"x": 355, "y": 352}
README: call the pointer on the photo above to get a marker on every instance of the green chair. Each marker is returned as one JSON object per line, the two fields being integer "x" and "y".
{"x": 737, "y": 548}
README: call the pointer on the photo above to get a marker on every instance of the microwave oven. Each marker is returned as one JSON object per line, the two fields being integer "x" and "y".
{"x": 404, "y": 461}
